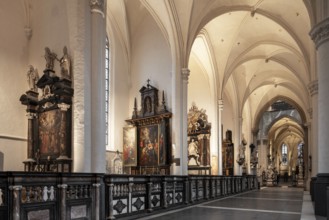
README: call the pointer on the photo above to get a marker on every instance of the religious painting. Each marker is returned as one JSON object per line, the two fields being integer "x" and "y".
{"x": 148, "y": 145}
{"x": 49, "y": 131}
{"x": 162, "y": 144}
{"x": 130, "y": 146}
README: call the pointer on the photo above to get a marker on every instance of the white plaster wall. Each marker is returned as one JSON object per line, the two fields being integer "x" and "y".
{"x": 119, "y": 94}
{"x": 150, "y": 59}
{"x": 49, "y": 20}
{"x": 199, "y": 92}
{"x": 13, "y": 68}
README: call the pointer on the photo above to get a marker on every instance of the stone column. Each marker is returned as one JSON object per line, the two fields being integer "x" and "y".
{"x": 30, "y": 137}
{"x": 220, "y": 132}
{"x": 98, "y": 35}
{"x": 185, "y": 76}
{"x": 63, "y": 188}
{"x": 79, "y": 36}
{"x": 320, "y": 36}
{"x": 16, "y": 209}
{"x": 96, "y": 201}
{"x": 313, "y": 128}
{"x": 62, "y": 133}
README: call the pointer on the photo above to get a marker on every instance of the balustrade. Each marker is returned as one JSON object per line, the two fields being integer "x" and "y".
{"x": 80, "y": 196}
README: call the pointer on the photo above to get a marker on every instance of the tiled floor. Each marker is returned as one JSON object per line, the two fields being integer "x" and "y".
{"x": 279, "y": 203}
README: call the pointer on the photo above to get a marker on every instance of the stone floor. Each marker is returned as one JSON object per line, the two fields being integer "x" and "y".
{"x": 281, "y": 203}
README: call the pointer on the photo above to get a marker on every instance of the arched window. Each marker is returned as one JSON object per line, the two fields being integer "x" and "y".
{"x": 284, "y": 153}
{"x": 107, "y": 89}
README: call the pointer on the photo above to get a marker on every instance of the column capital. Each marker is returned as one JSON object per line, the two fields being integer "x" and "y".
{"x": 63, "y": 106}
{"x": 31, "y": 115}
{"x": 97, "y": 6}
{"x": 320, "y": 32}
{"x": 185, "y": 74}
{"x": 313, "y": 87}
{"x": 220, "y": 103}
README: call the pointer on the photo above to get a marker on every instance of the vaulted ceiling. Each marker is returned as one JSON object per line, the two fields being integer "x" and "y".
{"x": 254, "y": 50}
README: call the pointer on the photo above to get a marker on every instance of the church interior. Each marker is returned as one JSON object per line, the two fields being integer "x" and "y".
{"x": 185, "y": 88}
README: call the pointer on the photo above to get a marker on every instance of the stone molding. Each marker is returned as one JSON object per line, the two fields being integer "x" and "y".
{"x": 313, "y": 87}
{"x": 320, "y": 32}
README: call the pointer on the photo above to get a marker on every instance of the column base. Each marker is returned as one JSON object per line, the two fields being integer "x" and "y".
{"x": 320, "y": 194}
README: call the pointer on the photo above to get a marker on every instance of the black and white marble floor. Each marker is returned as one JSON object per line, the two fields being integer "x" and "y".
{"x": 275, "y": 203}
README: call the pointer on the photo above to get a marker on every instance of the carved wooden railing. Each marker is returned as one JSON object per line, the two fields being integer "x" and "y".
{"x": 64, "y": 196}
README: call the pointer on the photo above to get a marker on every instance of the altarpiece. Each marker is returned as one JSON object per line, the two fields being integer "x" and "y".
{"x": 199, "y": 131}
{"x": 228, "y": 154}
{"x": 147, "y": 142}
{"x": 49, "y": 116}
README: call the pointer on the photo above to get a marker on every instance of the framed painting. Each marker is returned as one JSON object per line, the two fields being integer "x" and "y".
{"x": 130, "y": 146}
{"x": 148, "y": 146}
{"x": 162, "y": 144}
{"x": 49, "y": 131}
